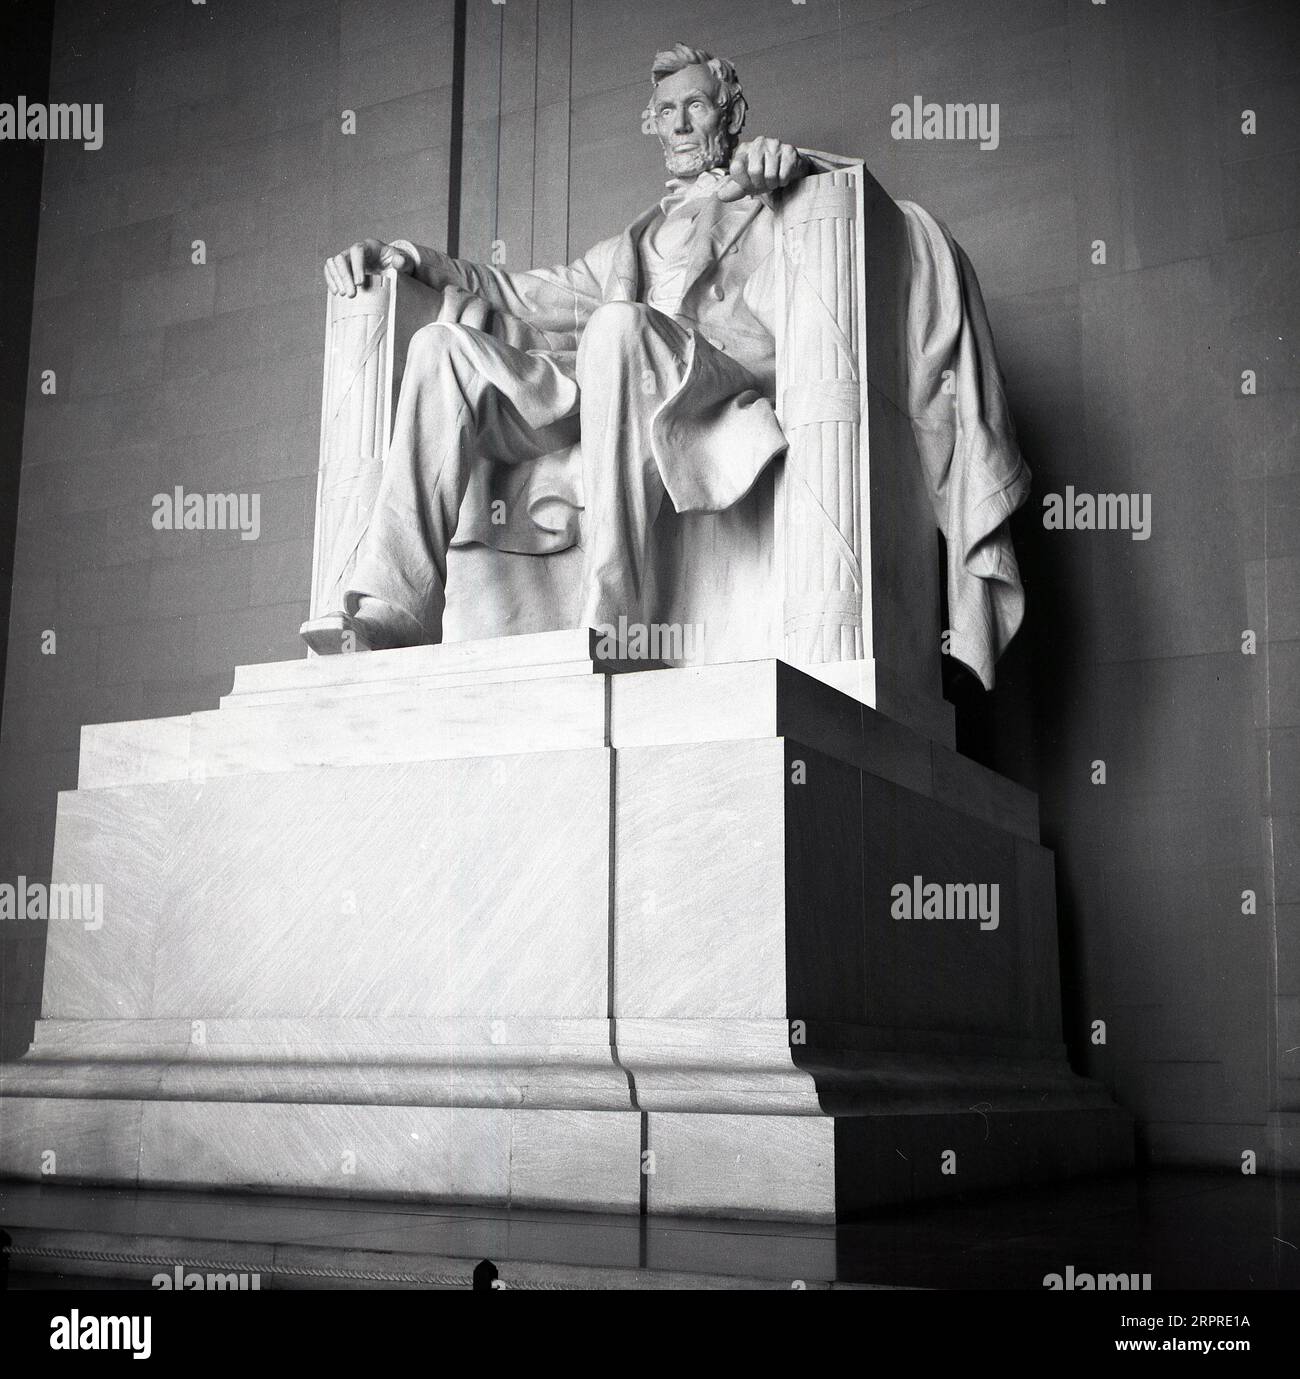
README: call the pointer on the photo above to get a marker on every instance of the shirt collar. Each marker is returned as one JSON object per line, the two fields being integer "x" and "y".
{"x": 680, "y": 190}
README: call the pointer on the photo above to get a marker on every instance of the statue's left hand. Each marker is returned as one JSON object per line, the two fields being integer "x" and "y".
{"x": 761, "y": 165}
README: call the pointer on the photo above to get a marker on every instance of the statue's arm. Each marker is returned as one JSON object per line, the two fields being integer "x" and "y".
{"x": 556, "y": 300}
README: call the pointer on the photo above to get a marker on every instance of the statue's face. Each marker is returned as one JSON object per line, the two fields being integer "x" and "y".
{"x": 691, "y": 122}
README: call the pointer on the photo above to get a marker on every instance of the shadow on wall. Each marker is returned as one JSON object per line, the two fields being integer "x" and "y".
{"x": 1036, "y": 727}
{"x": 25, "y": 33}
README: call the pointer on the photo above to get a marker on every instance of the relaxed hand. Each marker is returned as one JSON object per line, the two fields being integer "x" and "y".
{"x": 345, "y": 272}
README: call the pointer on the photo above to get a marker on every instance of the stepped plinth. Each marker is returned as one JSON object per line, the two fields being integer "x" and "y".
{"x": 502, "y": 922}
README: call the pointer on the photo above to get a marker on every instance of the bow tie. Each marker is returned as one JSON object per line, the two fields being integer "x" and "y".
{"x": 703, "y": 184}
{"x": 680, "y": 190}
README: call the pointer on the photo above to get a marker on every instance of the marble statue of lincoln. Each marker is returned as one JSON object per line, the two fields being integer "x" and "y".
{"x": 655, "y": 349}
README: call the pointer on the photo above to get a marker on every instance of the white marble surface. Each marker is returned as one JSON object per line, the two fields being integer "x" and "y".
{"x": 449, "y": 658}
{"x": 149, "y": 749}
{"x": 486, "y": 720}
{"x": 769, "y": 1166}
{"x": 700, "y": 884}
{"x": 496, "y": 976}
{"x": 121, "y": 839}
{"x": 404, "y": 890}
{"x": 805, "y": 1168}
{"x": 529, "y": 693}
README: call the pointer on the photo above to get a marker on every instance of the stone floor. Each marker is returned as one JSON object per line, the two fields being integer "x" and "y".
{"x": 1187, "y": 1230}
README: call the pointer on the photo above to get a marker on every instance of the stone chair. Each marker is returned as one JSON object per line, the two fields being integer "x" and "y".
{"x": 831, "y": 563}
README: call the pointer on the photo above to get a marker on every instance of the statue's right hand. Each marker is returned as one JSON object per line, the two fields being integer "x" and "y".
{"x": 345, "y": 272}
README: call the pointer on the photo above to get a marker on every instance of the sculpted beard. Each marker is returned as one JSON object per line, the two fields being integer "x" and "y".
{"x": 711, "y": 151}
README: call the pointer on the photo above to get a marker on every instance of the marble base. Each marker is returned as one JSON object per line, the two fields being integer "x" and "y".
{"x": 502, "y": 923}
{"x": 812, "y": 1167}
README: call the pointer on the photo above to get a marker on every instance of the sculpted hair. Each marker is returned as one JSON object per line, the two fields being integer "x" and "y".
{"x": 680, "y": 55}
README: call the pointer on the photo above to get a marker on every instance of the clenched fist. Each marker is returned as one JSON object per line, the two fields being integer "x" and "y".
{"x": 761, "y": 165}
{"x": 345, "y": 272}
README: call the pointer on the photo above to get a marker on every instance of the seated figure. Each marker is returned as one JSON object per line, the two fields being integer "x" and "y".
{"x": 656, "y": 348}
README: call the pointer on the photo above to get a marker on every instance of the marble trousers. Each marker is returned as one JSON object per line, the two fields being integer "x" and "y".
{"x": 467, "y": 398}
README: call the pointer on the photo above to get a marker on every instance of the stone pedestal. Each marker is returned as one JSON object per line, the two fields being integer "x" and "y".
{"x": 497, "y": 922}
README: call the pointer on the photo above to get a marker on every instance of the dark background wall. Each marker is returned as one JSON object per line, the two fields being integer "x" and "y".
{"x": 24, "y": 66}
{"x": 1119, "y": 123}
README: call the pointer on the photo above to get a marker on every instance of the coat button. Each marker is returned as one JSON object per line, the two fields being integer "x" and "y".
{"x": 718, "y": 293}
{"x": 718, "y": 345}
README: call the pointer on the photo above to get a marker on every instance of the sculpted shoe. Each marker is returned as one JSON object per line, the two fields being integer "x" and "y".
{"x": 375, "y": 626}
{"x": 335, "y": 634}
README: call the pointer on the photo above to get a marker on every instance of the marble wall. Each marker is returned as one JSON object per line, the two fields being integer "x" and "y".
{"x": 222, "y": 123}
{"x": 24, "y": 65}
{"x": 1117, "y": 123}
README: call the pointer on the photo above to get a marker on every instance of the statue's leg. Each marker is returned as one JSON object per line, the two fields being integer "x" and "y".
{"x": 631, "y": 359}
{"x": 465, "y": 397}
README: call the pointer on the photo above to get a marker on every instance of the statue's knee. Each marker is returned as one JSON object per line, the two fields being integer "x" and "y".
{"x": 611, "y": 327}
{"x": 434, "y": 344}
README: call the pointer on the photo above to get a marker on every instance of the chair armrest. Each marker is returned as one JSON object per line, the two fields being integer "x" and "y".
{"x": 820, "y": 400}
{"x": 855, "y": 525}
{"x": 366, "y": 339}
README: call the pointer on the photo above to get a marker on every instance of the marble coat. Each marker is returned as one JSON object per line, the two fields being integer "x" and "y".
{"x": 712, "y": 441}
{"x": 712, "y": 438}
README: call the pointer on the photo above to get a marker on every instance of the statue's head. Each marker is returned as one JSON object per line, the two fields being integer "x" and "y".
{"x": 698, "y": 109}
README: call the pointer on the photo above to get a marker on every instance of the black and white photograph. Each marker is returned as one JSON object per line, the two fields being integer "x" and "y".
{"x": 650, "y": 645}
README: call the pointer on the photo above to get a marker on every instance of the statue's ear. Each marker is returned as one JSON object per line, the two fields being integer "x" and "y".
{"x": 736, "y": 116}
